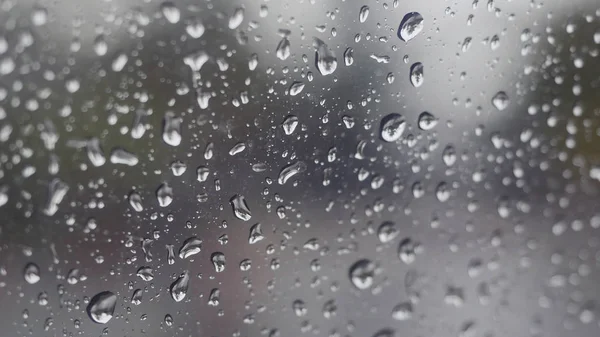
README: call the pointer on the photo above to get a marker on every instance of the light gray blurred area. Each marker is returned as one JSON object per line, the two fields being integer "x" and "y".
{"x": 490, "y": 217}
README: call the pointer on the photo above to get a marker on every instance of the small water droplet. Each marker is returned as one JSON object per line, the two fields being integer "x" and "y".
{"x": 427, "y": 121}
{"x": 170, "y": 12}
{"x": 135, "y": 201}
{"x": 289, "y": 124}
{"x": 164, "y": 195}
{"x": 402, "y": 311}
{"x": 214, "y": 297}
{"x": 387, "y": 232}
{"x": 136, "y": 298}
{"x": 406, "y": 251}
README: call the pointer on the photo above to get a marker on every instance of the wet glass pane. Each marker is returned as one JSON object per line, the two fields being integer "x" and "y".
{"x": 299, "y": 168}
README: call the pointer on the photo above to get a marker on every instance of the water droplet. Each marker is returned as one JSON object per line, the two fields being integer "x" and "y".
{"x": 196, "y": 60}
{"x": 170, "y": 12}
{"x": 191, "y": 246}
{"x": 363, "y": 14}
{"x": 124, "y": 157}
{"x": 402, "y": 311}
{"x": 31, "y": 273}
{"x": 387, "y": 332}
{"x": 296, "y": 88}
{"x": 255, "y": 234}
{"x": 164, "y": 195}
{"x": 387, "y": 232}
{"x": 214, "y": 297}
{"x": 195, "y": 29}
{"x": 362, "y": 273}
{"x": 170, "y": 255}
{"x": 102, "y": 307}
{"x": 208, "y": 151}
{"x": 406, "y": 251}
{"x": 172, "y": 129}
{"x": 410, "y": 26}
{"x": 240, "y": 207}
{"x": 179, "y": 287}
{"x": 283, "y": 49}
{"x": 442, "y": 192}
{"x": 449, "y": 155}
{"x": 73, "y": 276}
{"x": 235, "y": 20}
{"x": 178, "y": 168}
{"x": 392, "y": 127}
{"x": 329, "y": 309}
{"x": 135, "y": 201}
{"x": 289, "y": 124}
{"x": 39, "y": 16}
{"x": 168, "y": 320}
{"x": 500, "y": 101}
{"x": 245, "y": 264}
{"x": 466, "y": 44}
{"x": 202, "y": 173}
{"x": 325, "y": 58}
{"x": 290, "y": 170}
{"x": 119, "y": 62}
{"x": 237, "y": 148}
{"x": 299, "y": 308}
{"x": 100, "y": 46}
{"x": 427, "y": 121}
{"x": 349, "y": 56}
{"x": 416, "y": 74}
{"x": 136, "y": 298}
{"x": 218, "y": 261}
{"x": 145, "y": 273}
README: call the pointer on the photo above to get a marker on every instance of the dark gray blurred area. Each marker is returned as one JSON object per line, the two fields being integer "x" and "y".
{"x": 493, "y": 211}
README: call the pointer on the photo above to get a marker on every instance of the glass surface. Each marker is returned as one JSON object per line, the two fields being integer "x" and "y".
{"x": 289, "y": 168}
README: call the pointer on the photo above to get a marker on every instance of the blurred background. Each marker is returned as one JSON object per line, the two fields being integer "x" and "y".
{"x": 323, "y": 168}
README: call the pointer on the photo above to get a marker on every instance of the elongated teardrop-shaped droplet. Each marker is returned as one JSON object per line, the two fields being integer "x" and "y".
{"x": 179, "y": 288}
{"x": 283, "y": 49}
{"x": 136, "y": 298}
{"x": 124, "y": 157}
{"x": 296, "y": 88}
{"x": 237, "y": 148}
{"x": 218, "y": 261}
{"x": 135, "y": 201}
{"x": 349, "y": 56}
{"x": 31, "y": 273}
{"x": 362, "y": 273}
{"x": 289, "y": 124}
{"x": 325, "y": 58}
{"x": 416, "y": 74}
{"x": 290, "y": 170}
{"x": 102, "y": 307}
{"x": 255, "y": 234}
{"x": 171, "y": 129}
{"x": 410, "y": 26}
{"x": 500, "y": 101}
{"x": 427, "y": 121}
{"x": 191, "y": 246}
{"x": 57, "y": 190}
{"x": 363, "y": 14}
{"x": 164, "y": 195}
{"x": 240, "y": 207}
{"x": 392, "y": 127}
{"x": 235, "y": 20}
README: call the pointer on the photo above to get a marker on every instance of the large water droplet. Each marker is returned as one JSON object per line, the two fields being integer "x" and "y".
{"x": 290, "y": 170}
{"x": 427, "y": 121}
{"x": 235, "y": 20}
{"x": 172, "y": 129}
{"x": 410, "y": 26}
{"x": 191, "y": 246}
{"x": 500, "y": 101}
{"x": 170, "y": 12}
{"x": 31, "y": 273}
{"x": 283, "y": 49}
{"x": 240, "y": 207}
{"x": 218, "y": 261}
{"x": 179, "y": 287}
{"x": 324, "y": 58}
{"x": 362, "y": 273}
{"x": 164, "y": 195}
{"x": 387, "y": 232}
{"x": 363, "y": 14}
{"x": 102, "y": 307}
{"x": 416, "y": 74}
{"x": 392, "y": 127}
{"x": 296, "y": 88}
{"x": 289, "y": 124}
